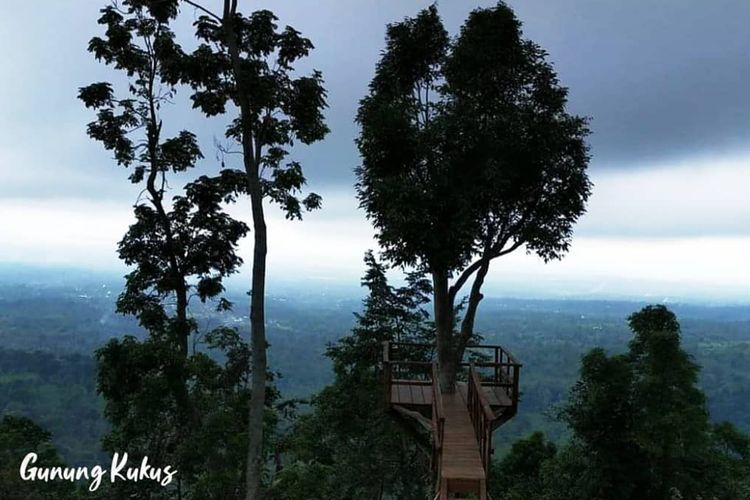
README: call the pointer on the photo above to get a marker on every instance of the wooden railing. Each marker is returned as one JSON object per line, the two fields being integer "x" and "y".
{"x": 438, "y": 419}
{"x": 481, "y": 416}
{"x": 403, "y": 371}
{"x": 496, "y": 368}
{"x": 505, "y": 370}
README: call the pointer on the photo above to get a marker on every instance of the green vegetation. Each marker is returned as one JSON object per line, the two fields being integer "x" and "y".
{"x": 640, "y": 429}
{"x": 349, "y": 446}
{"x": 468, "y": 154}
{"x": 56, "y": 387}
{"x": 18, "y": 437}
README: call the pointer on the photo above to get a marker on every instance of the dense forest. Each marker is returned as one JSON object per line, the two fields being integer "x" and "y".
{"x": 56, "y": 386}
{"x": 196, "y": 379}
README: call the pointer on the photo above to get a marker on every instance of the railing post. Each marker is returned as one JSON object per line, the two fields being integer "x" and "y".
{"x": 516, "y": 377}
{"x": 387, "y": 372}
{"x": 498, "y": 359}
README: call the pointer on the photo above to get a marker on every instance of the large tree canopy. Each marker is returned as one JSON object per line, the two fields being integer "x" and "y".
{"x": 468, "y": 153}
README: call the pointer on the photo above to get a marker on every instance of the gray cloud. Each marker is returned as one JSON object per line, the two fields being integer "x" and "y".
{"x": 660, "y": 80}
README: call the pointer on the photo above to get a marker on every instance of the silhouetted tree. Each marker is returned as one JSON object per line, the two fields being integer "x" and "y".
{"x": 468, "y": 154}
{"x": 161, "y": 400}
{"x": 348, "y": 446}
{"x": 601, "y": 414}
{"x": 669, "y": 410}
{"x": 641, "y": 427}
{"x": 247, "y": 61}
{"x": 178, "y": 250}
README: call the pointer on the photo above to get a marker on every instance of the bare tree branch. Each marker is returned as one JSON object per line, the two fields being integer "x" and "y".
{"x": 201, "y": 8}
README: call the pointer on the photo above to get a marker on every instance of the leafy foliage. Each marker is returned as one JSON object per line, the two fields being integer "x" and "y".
{"x": 19, "y": 436}
{"x": 277, "y": 107}
{"x": 248, "y": 62}
{"x": 466, "y": 146}
{"x": 201, "y": 431}
{"x": 468, "y": 153}
{"x": 520, "y": 473}
{"x": 175, "y": 407}
{"x": 192, "y": 245}
{"x": 640, "y": 429}
{"x": 349, "y": 446}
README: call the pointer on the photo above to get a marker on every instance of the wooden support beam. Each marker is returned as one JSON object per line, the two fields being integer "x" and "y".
{"x": 425, "y": 422}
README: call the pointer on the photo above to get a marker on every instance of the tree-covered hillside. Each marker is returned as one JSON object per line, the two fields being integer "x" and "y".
{"x": 548, "y": 337}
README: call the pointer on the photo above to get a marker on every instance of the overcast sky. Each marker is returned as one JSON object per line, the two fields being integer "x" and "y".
{"x": 665, "y": 84}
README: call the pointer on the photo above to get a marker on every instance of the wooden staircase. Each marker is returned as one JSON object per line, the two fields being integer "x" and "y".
{"x": 461, "y": 467}
{"x": 460, "y": 423}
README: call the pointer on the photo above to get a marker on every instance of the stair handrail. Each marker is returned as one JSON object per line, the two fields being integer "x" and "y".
{"x": 481, "y": 416}
{"x": 438, "y": 417}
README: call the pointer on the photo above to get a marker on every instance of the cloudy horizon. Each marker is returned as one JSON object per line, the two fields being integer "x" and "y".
{"x": 664, "y": 85}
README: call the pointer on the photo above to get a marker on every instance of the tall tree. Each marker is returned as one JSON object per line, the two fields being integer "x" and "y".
{"x": 601, "y": 414}
{"x": 190, "y": 245}
{"x": 640, "y": 423}
{"x": 247, "y": 61}
{"x": 670, "y": 414}
{"x": 468, "y": 154}
{"x": 349, "y": 446}
{"x": 639, "y": 430}
{"x": 182, "y": 245}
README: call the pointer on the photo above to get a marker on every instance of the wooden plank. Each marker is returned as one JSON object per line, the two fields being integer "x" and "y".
{"x": 462, "y": 390}
{"x": 460, "y": 458}
{"x": 416, "y": 395}
{"x": 404, "y": 395}
{"x": 497, "y": 396}
{"x": 427, "y": 395}
{"x": 411, "y": 394}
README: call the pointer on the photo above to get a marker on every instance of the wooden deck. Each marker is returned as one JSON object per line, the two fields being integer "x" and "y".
{"x": 409, "y": 394}
{"x": 460, "y": 423}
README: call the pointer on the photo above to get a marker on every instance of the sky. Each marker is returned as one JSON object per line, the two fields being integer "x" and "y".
{"x": 665, "y": 85}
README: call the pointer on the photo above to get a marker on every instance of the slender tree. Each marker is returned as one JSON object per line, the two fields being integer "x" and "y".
{"x": 468, "y": 154}
{"x": 176, "y": 246}
{"x": 161, "y": 399}
{"x": 248, "y": 62}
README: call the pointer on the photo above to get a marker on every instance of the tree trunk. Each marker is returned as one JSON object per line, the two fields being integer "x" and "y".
{"x": 475, "y": 297}
{"x": 258, "y": 346}
{"x": 447, "y": 362}
{"x": 178, "y": 280}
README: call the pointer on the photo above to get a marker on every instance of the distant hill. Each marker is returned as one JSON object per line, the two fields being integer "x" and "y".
{"x": 68, "y": 317}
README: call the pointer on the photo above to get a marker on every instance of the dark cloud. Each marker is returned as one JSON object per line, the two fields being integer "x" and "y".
{"x": 660, "y": 79}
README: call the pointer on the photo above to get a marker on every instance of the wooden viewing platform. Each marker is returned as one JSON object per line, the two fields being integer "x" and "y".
{"x": 460, "y": 423}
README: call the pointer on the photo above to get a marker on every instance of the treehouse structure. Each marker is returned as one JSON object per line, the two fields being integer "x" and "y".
{"x": 460, "y": 423}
